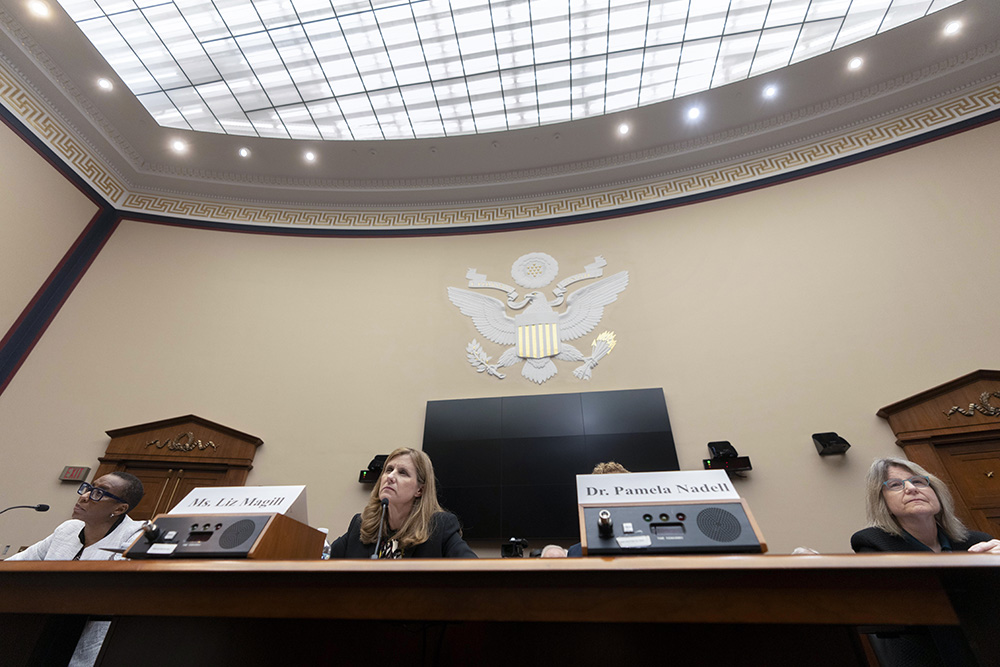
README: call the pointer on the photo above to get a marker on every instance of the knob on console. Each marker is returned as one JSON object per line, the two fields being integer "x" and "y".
{"x": 151, "y": 531}
{"x": 605, "y": 528}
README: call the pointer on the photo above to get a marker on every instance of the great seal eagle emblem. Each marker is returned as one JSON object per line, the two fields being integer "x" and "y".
{"x": 539, "y": 333}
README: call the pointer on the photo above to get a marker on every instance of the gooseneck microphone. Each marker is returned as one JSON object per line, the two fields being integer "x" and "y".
{"x": 381, "y": 520}
{"x": 37, "y": 508}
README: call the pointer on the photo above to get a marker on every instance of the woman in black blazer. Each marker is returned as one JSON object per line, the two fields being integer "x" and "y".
{"x": 403, "y": 518}
{"x": 909, "y": 509}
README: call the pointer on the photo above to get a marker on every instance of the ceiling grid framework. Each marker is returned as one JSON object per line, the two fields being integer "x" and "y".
{"x": 390, "y": 69}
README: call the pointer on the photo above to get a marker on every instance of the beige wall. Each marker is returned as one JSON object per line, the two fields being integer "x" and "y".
{"x": 765, "y": 317}
{"x": 41, "y": 216}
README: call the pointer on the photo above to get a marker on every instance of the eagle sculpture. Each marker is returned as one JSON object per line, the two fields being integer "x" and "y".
{"x": 538, "y": 334}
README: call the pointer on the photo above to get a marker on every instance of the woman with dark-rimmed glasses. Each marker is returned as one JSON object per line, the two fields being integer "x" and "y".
{"x": 99, "y": 529}
{"x": 909, "y": 509}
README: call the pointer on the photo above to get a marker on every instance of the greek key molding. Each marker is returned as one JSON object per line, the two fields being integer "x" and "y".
{"x": 58, "y": 136}
{"x": 752, "y": 168}
{"x": 15, "y": 31}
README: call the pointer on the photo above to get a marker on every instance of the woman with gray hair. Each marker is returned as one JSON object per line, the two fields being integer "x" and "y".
{"x": 910, "y": 509}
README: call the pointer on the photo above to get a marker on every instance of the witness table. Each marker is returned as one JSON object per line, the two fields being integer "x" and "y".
{"x": 756, "y": 609}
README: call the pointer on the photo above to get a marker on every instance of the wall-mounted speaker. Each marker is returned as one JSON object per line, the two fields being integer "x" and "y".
{"x": 725, "y": 457}
{"x": 830, "y": 443}
{"x": 374, "y": 470}
{"x": 722, "y": 449}
{"x": 724, "y": 526}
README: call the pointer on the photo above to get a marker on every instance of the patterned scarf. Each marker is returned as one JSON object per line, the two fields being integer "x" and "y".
{"x": 390, "y": 548}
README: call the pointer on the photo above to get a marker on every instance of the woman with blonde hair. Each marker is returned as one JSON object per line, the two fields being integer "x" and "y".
{"x": 413, "y": 524}
{"x": 910, "y": 509}
{"x": 603, "y": 468}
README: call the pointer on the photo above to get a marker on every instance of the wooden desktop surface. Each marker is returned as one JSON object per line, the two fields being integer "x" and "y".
{"x": 696, "y": 610}
{"x": 858, "y": 589}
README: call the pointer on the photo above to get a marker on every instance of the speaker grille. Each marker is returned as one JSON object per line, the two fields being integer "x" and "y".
{"x": 236, "y": 534}
{"x": 718, "y": 524}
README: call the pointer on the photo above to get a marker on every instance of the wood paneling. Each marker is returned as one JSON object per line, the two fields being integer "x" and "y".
{"x": 962, "y": 449}
{"x": 174, "y": 456}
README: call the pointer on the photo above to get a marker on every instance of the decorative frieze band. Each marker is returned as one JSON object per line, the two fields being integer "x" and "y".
{"x": 881, "y": 132}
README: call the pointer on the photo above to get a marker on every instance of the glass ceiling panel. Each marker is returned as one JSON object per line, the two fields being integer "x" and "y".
{"x": 195, "y": 111}
{"x": 735, "y": 56}
{"x": 299, "y": 123}
{"x": 816, "y": 38}
{"x": 745, "y": 15}
{"x": 787, "y": 12}
{"x": 399, "y": 69}
{"x": 775, "y": 49}
{"x": 160, "y": 106}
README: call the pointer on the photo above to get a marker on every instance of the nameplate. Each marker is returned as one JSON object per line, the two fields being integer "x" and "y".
{"x": 287, "y": 500}
{"x": 654, "y": 487}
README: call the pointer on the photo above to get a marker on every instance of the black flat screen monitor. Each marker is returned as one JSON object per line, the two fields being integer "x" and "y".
{"x": 507, "y": 466}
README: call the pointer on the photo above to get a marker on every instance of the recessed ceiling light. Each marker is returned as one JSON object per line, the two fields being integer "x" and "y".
{"x": 244, "y": 152}
{"x": 694, "y": 113}
{"x": 105, "y": 84}
{"x": 855, "y": 63}
{"x": 623, "y": 129}
{"x": 178, "y": 146}
{"x": 310, "y": 156}
{"x": 39, "y": 8}
{"x": 953, "y": 28}
{"x": 770, "y": 91}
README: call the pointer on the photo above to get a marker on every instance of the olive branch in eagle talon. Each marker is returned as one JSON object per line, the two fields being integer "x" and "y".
{"x": 480, "y": 360}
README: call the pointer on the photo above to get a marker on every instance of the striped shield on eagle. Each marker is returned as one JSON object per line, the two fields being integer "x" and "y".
{"x": 537, "y": 335}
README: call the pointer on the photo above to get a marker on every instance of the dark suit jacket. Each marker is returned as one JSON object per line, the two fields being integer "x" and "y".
{"x": 445, "y": 541}
{"x": 876, "y": 539}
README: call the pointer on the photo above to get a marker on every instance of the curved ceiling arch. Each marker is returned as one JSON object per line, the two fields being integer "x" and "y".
{"x": 917, "y": 81}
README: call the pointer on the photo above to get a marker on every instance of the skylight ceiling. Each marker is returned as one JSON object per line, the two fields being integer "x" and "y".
{"x": 347, "y": 70}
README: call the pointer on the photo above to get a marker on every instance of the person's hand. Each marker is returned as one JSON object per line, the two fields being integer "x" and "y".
{"x": 553, "y": 551}
{"x": 991, "y": 547}
{"x": 804, "y": 551}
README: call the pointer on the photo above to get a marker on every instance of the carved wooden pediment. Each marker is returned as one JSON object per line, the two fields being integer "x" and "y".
{"x": 187, "y": 438}
{"x": 174, "y": 456}
{"x": 953, "y": 430}
{"x": 968, "y": 404}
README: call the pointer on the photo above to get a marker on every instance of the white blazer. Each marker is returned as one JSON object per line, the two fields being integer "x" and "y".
{"x": 64, "y": 543}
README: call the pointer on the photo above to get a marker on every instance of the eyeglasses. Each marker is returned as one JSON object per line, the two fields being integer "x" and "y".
{"x": 97, "y": 493}
{"x": 918, "y": 482}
